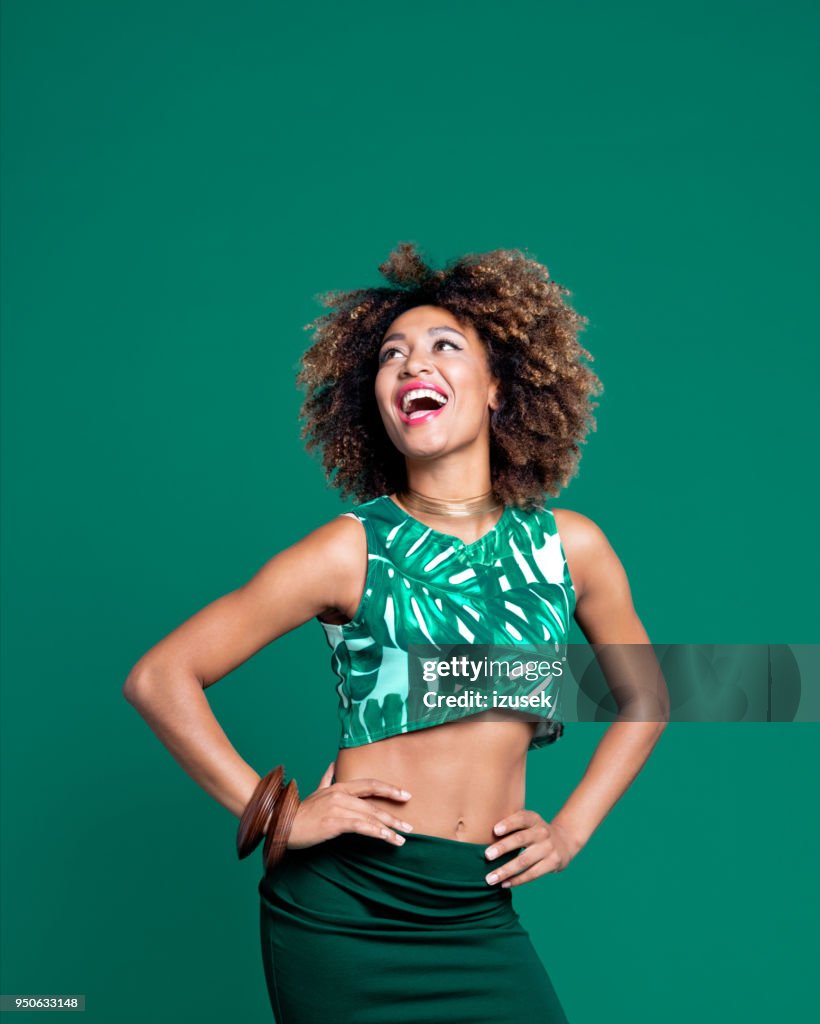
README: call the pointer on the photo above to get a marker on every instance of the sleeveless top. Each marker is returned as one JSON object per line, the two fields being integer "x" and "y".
{"x": 511, "y": 586}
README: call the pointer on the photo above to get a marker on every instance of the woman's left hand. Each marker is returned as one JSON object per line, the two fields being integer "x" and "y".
{"x": 548, "y": 847}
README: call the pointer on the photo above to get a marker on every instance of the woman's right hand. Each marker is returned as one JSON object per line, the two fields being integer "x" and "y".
{"x": 342, "y": 807}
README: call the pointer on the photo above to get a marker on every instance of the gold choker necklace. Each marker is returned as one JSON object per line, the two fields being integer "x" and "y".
{"x": 417, "y": 502}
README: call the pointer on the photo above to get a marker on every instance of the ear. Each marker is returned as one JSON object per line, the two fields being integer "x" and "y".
{"x": 494, "y": 396}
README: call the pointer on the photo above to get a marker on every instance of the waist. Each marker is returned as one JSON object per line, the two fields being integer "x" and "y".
{"x": 463, "y": 776}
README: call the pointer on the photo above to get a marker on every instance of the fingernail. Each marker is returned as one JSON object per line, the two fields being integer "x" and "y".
{"x": 400, "y": 840}
{"x": 407, "y": 826}
{"x": 492, "y": 878}
{"x": 492, "y": 852}
{"x": 499, "y": 830}
{"x": 405, "y": 794}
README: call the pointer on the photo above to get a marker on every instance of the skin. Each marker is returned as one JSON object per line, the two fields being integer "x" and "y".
{"x": 430, "y": 781}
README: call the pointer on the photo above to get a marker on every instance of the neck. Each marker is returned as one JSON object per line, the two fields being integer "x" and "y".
{"x": 441, "y": 482}
{"x": 474, "y": 505}
{"x": 450, "y": 490}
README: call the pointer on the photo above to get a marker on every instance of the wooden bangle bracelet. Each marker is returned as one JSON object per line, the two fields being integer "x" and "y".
{"x": 281, "y": 823}
{"x": 260, "y": 807}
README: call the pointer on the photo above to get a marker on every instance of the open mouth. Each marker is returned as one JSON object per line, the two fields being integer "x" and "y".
{"x": 420, "y": 404}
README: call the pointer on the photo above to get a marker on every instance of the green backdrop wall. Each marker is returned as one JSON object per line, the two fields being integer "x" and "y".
{"x": 179, "y": 180}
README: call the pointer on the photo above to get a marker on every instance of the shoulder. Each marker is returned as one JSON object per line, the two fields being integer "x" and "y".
{"x": 577, "y": 530}
{"x": 604, "y": 610}
{"x": 586, "y": 547}
{"x": 342, "y": 538}
{"x": 332, "y": 559}
{"x": 330, "y": 548}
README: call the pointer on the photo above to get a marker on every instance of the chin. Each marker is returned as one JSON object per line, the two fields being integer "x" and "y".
{"x": 427, "y": 451}
{"x": 425, "y": 448}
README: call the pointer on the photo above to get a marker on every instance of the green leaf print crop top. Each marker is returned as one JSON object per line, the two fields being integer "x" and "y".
{"x": 511, "y": 586}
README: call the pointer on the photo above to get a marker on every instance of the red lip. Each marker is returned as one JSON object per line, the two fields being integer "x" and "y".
{"x": 421, "y": 419}
{"x": 428, "y": 415}
{"x": 418, "y": 384}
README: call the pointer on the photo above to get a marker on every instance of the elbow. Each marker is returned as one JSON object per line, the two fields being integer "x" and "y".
{"x": 149, "y": 684}
{"x": 133, "y": 688}
{"x": 139, "y": 684}
{"x": 660, "y": 728}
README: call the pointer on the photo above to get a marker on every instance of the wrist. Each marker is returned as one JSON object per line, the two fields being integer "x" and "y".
{"x": 574, "y": 839}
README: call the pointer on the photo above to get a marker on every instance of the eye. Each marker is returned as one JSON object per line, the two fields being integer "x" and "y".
{"x": 440, "y": 341}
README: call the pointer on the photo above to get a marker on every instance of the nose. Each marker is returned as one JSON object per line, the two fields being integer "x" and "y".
{"x": 417, "y": 360}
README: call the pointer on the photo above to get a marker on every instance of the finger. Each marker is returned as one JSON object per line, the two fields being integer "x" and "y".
{"x": 529, "y": 856}
{"x": 368, "y": 826}
{"x": 518, "y": 819}
{"x": 362, "y": 806}
{"x": 515, "y": 841}
{"x": 376, "y": 787}
{"x": 536, "y": 871}
{"x": 387, "y": 818}
{"x": 324, "y": 782}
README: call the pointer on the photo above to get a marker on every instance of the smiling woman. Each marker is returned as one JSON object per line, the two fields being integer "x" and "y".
{"x": 499, "y": 310}
{"x": 425, "y": 376}
{"x": 450, "y": 406}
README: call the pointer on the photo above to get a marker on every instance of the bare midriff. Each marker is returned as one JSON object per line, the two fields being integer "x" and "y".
{"x": 464, "y": 776}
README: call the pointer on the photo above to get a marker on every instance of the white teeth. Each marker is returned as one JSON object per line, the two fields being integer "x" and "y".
{"x": 408, "y": 396}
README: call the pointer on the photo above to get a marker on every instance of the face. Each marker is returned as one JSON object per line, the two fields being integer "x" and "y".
{"x": 428, "y": 348}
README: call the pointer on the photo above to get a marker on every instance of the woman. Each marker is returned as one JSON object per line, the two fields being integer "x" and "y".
{"x": 449, "y": 404}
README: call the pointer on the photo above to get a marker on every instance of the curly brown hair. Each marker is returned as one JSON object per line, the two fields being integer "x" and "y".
{"x": 530, "y": 335}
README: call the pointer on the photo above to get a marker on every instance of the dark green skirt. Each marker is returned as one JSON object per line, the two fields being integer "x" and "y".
{"x": 356, "y": 931}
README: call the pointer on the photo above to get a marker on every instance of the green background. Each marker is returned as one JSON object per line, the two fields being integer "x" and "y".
{"x": 179, "y": 181}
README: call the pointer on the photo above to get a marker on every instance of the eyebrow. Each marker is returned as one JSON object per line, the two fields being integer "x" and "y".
{"x": 396, "y": 336}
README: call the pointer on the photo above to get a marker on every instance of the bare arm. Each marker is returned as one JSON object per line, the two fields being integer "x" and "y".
{"x": 606, "y": 615}
{"x": 167, "y": 685}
